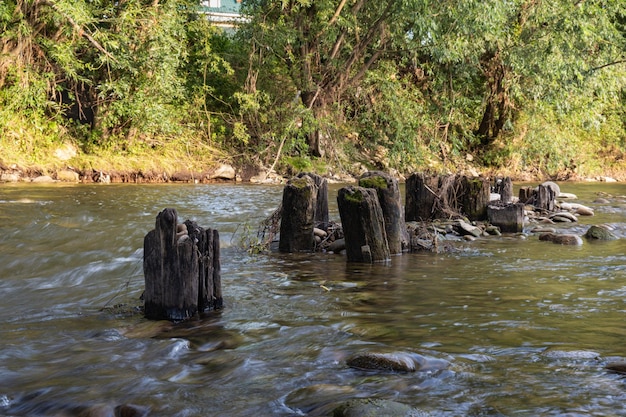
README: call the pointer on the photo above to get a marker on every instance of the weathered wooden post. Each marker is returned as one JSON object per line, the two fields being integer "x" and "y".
{"x": 526, "y": 194}
{"x": 474, "y": 197}
{"x": 390, "y": 201}
{"x": 504, "y": 187}
{"x": 209, "y": 267}
{"x": 363, "y": 225}
{"x": 181, "y": 264}
{"x": 546, "y": 198}
{"x": 298, "y": 216}
{"x": 321, "y": 203}
{"x": 508, "y": 217}
{"x": 421, "y": 197}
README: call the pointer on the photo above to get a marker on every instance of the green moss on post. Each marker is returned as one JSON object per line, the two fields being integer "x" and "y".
{"x": 375, "y": 181}
{"x": 355, "y": 196}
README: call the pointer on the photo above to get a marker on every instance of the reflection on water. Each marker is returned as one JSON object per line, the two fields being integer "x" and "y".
{"x": 525, "y": 326}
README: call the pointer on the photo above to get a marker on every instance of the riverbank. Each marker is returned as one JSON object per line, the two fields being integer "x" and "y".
{"x": 66, "y": 163}
{"x": 221, "y": 172}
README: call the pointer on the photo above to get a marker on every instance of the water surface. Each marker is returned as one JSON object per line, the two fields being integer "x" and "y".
{"x": 511, "y": 326}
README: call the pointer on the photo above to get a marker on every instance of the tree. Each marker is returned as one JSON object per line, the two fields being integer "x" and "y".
{"x": 326, "y": 46}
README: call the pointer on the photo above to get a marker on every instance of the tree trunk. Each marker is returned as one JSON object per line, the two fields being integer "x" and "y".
{"x": 298, "y": 216}
{"x": 363, "y": 225}
{"x": 310, "y": 101}
{"x": 390, "y": 202}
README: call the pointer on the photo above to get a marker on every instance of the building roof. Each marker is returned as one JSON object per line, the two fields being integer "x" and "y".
{"x": 226, "y": 6}
{"x": 226, "y": 15}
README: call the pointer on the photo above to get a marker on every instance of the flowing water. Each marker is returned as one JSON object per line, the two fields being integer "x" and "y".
{"x": 506, "y": 326}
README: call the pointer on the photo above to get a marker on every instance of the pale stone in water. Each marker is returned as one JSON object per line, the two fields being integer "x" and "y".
{"x": 67, "y": 175}
{"x": 583, "y": 210}
{"x": 554, "y": 186}
{"x": 223, "y": 171}
{"x": 43, "y": 179}
{"x": 319, "y": 232}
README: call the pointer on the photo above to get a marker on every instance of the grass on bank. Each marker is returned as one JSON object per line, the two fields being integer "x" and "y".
{"x": 538, "y": 150}
{"x": 46, "y": 147}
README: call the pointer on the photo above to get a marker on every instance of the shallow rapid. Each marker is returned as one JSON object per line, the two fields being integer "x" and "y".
{"x": 505, "y": 326}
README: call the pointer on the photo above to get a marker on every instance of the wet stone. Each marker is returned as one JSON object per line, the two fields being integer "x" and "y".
{"x": 561, "y": 239}
{"x": 599, "y": 233}
{"x": 396, "y": 362}
{"x": 376, "y": 408}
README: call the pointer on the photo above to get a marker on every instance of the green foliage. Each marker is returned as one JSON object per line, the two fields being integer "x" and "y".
{"x": 403, "y": 85}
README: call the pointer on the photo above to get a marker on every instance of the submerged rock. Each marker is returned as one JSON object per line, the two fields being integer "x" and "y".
{"x": 368, "y": 407}
{"x": 396, "y": 362}
{"x": 561, "y": 239}
{"x": 617, "y": 367}
{"x": 599, "y": 233}
{"x": 463, "y": 228}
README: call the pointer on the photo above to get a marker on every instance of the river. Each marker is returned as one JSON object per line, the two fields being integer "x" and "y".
{"x": 523, "y": 327}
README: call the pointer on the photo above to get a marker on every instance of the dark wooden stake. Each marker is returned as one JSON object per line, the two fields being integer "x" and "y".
{"x": 363, "y": 225}
{"x": 474, "y": 197}
{"x": 545, "y": 198}
{"x": 508, "y": 217}
{"x": 526, "y": 194}
{"x": 170, "y": 266}
{"x": 390, "y": 201}
{"x": 181, "y": 265}
{"x": 421, "y": 197}
{"x": 504, "y": 187}
{"x": 321, "y": 202}
{"x": 298, "y": 216}
{"x": 209, "y": 271}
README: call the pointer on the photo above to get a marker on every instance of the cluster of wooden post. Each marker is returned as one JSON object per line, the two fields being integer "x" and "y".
{"x": 181, "y": 267}
{"x": 372, "y": 215}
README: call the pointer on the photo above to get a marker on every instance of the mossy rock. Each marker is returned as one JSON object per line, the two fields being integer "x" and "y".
{"x": 599, "y": 233}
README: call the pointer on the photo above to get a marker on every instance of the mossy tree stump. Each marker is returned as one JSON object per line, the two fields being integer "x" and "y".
{"x": 363, "y": 225}
{"x": 178, "y": 283}
{"x": 390, "y": 200}
{"x": 298, "y": 216}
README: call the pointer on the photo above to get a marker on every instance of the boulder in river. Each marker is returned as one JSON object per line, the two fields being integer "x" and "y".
{"x": 561, "y": 238}
{"x": 463, "y": 228}
{"x": 599, "y": 233}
